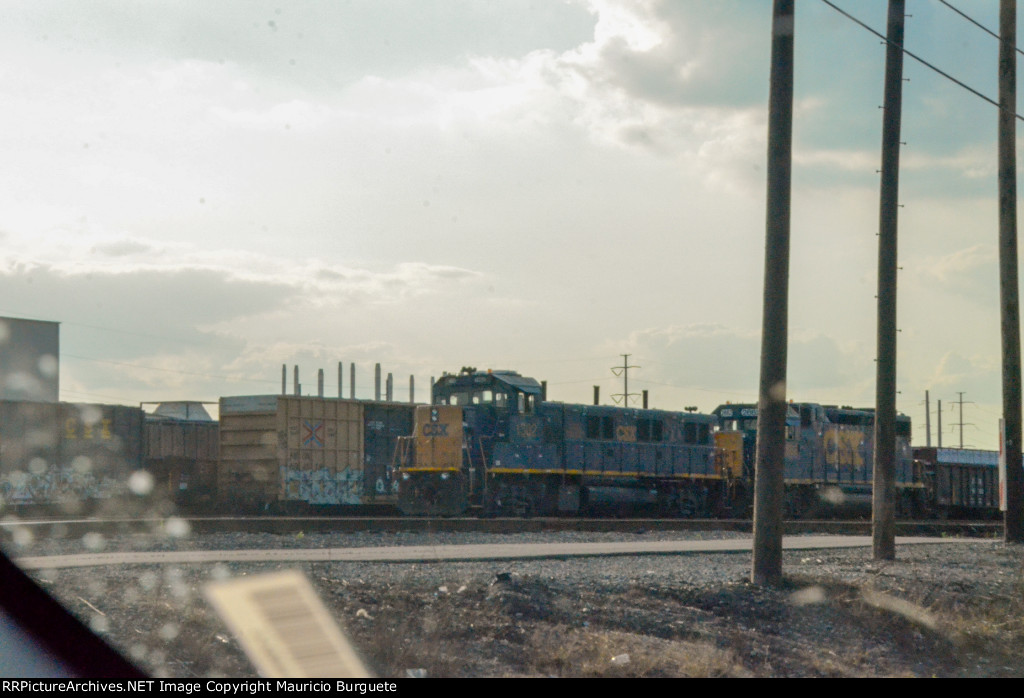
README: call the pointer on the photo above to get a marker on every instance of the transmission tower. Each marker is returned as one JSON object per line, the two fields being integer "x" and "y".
{"x": 623, "y": 370}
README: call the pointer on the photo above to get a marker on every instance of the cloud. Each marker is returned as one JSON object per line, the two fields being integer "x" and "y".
{"x": 717, "y": 358}
{"x": 971, "y": 274}
{"x": 979, "y": 376}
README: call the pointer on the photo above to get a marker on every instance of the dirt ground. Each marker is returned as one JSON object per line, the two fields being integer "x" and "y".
{"x": 940, "y": 610}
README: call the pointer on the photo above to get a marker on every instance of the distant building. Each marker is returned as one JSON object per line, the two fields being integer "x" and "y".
{"x": 29, "y": 360}
{"x": 189, "y": 411}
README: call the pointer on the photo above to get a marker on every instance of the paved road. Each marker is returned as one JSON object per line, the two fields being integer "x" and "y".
{"x": 421, "y": 553}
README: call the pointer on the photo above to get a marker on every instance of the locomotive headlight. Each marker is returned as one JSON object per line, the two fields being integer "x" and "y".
{"x": 405, "y": 476}
{"x": 444, "y": 476}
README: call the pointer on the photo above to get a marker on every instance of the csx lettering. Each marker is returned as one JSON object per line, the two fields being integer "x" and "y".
{"x": 435, "y": 430}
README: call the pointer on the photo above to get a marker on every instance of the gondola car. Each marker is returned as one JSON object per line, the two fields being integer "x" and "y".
{"x": 490, "y": 438}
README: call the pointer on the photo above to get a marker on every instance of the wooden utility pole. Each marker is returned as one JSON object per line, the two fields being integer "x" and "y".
{"x": 1009, "y": 301}
{"x": 771, "y": 406}
{"x": 883, "y": 504}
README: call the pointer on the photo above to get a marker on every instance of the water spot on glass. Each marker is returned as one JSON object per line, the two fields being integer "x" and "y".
{"x": 81, "y": 464}
{"x": 90, "y": 414}
{"x": 140, "y": 482}
{"x": 169, "y": 631}
{"x": 148, "y": 580}
{"x": 23, "y": 382}
{"x": 99, "y": 624}
{"x": 832, "y": 495}
{"x": 220, "y": 572}
{"x": 38, "y": 466}
{"x": 47, "y": 366}
{"x": 138, "y": 651}
{"x": 177, "y": 527}
{"x": 94, "y": 541}
{"x": 807, "y": 596}
{"x": 22, "y": 536}
{"x": 48, "y": 575}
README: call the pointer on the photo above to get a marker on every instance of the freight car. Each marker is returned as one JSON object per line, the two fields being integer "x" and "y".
{"x": 828, "y": 462}
{"x": 302, "y": 454}
{"x": 491, "y": 439}
{"x": 181, "y": 453}
{"x": 67, "y": 456}
{"x": 964, "y": 483}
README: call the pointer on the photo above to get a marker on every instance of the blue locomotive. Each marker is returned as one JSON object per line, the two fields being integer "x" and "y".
{"x": 490, "y": 438}
{"x": 829, "y": 457}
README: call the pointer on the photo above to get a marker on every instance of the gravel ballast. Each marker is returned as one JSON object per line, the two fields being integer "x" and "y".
{"x": 944, "y": 609}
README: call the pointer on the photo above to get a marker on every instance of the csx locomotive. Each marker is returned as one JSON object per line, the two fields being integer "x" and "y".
{"x": 491, "y": 439}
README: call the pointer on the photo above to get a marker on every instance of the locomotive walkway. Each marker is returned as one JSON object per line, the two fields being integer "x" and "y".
{"x": 464, "y": 553}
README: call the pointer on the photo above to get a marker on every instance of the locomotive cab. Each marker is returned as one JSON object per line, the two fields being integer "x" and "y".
{"x": 442, "y": 468}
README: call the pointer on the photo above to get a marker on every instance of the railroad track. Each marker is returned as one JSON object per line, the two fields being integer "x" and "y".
{"x": 41, "y": 528}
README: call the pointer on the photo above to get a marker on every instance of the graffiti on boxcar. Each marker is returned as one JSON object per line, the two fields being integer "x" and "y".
{"x": 57, "y": 484}
{"x": 322, "y": 486}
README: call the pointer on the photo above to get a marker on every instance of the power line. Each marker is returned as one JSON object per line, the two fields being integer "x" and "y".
{"x": 978, "y": 24}
{"x": 921, "y": 60}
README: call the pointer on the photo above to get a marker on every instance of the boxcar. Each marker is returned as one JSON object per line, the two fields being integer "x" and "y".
{"x": 964, "y": 482}
{"x": 182, "y": 455}
{"x": 289, "y": 453}
{"x": 56, "y": 453}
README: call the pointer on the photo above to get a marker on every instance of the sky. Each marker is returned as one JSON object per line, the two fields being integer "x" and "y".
{"x": 203, "y": 192}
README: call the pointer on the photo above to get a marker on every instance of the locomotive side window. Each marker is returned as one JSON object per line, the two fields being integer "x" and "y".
{"x": 526, "y": 403}
{"x": 600, "y": 428}
{"x": 690, "y": 433}
{"x": 649, "y": 430}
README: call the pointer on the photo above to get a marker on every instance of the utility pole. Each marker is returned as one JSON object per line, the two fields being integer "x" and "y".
{"x": 961, "y": 424}
{"x": 623, "y": 371}
{"x": 883, "y": 498}
{"x": 1009, "y": 300}
{"x": 938, "y": 431}
{"x": 766, "y": 564}
{"x": 927, "y": 421}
